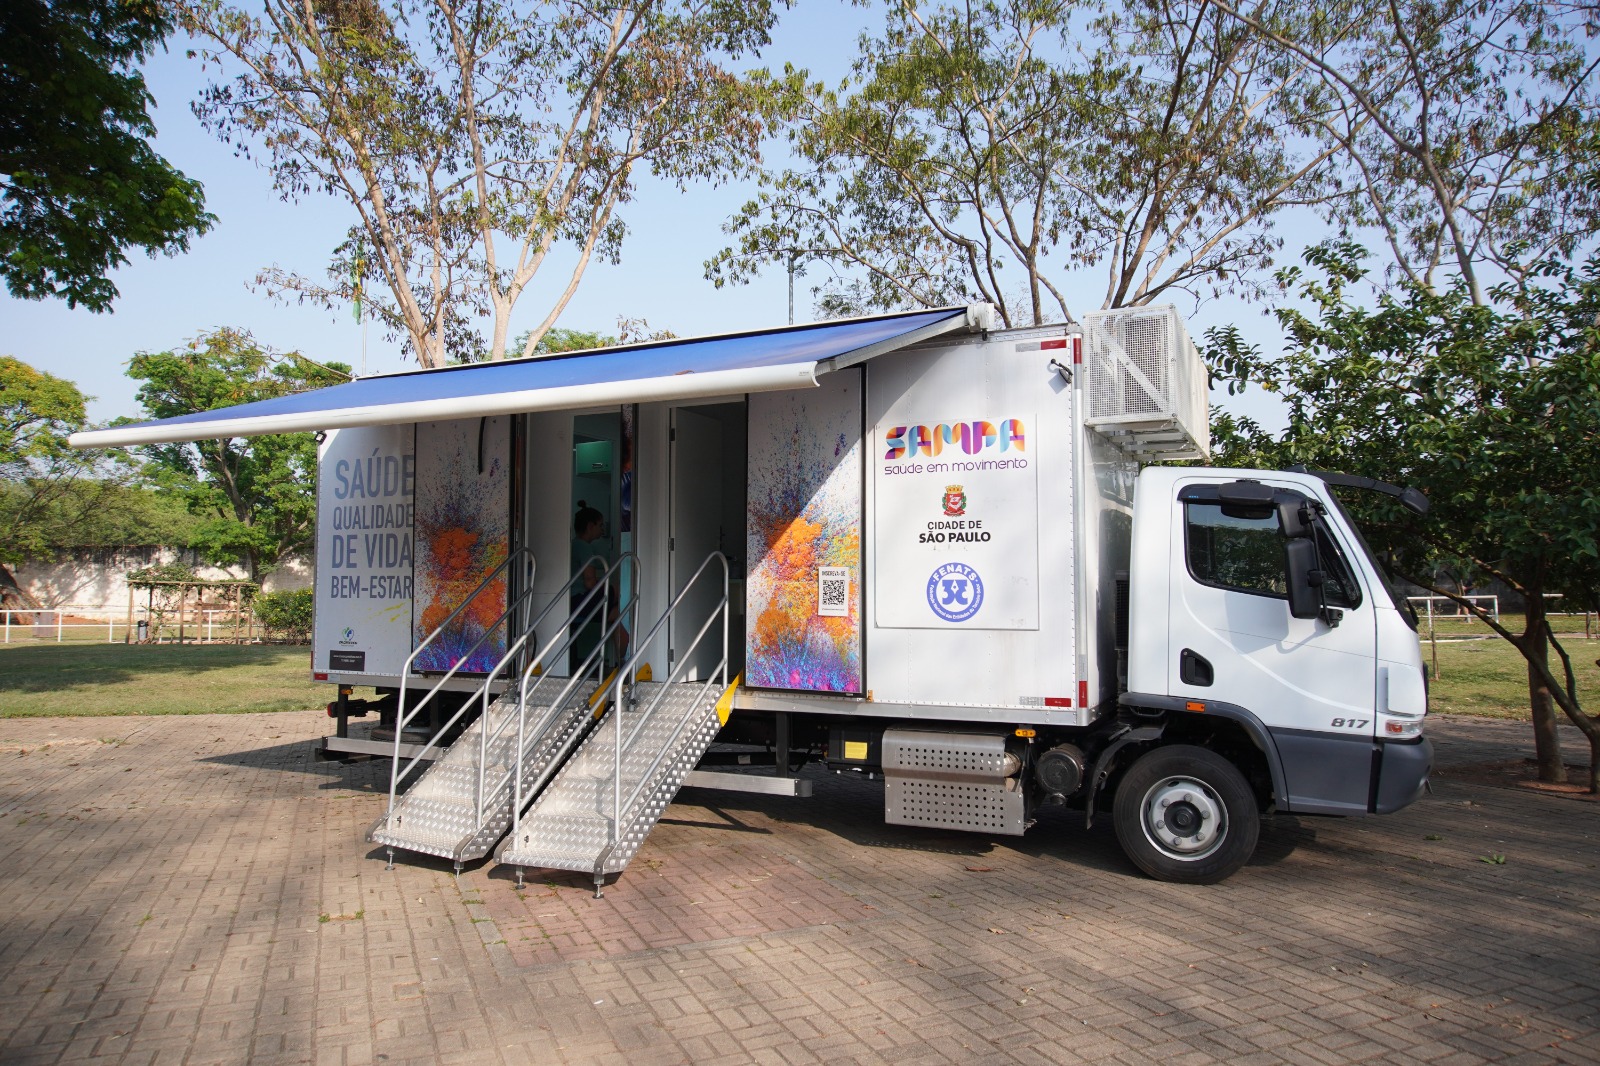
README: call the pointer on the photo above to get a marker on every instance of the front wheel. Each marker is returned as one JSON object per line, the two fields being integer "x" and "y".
{"x": 1186, "y": 814}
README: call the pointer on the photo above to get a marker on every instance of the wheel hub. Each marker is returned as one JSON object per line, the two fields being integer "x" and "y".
{"x": 1184, "y": 818}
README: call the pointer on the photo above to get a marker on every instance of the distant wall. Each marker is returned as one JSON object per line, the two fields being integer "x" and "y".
{"x": 100, "y": 578}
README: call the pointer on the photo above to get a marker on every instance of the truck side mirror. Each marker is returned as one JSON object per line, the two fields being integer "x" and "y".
{"x": 1292, "y": 516}
{"x": 1305, "y": 577}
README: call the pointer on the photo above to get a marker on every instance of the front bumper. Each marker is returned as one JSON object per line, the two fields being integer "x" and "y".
{"x": 1402, "y": 773}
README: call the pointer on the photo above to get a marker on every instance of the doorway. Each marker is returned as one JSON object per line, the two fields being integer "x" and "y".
{"x": 707, "y": 514}
{"x": 600, "y": 507}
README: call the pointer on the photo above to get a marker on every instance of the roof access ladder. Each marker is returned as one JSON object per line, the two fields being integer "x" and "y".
{"x": 597, "y": 811}
{"x": 461, "y": 805}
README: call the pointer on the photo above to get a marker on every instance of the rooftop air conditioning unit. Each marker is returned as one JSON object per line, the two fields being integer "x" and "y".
{"x": 1147, "y": 387}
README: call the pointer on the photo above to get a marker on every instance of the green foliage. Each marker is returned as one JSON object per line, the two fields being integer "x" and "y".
{"x": 572, "y": 340}
{"x": 79, "y": 182}
{"x": 85, "y": 513}
{"x": 1492, "y": 409}
{"x": 473, "y": 137}
{"x": 983, "y": 150}
{"x": 48, "y": 497}
{"x": 286, "y": 614}
{"x": 558, "y": 340}
{"x": 37, "y": 412}
{"x": 168, "y": 574}
{"x": 254, "y": 497}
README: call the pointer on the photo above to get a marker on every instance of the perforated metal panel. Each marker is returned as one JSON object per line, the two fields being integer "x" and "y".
{"x": 1146, "y": 384}
{"x": 951, "y": 781}
{"x": 441, "y": 814}
{"x": 570, "y": 826}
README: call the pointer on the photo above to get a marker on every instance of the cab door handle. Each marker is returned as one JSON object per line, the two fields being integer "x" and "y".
{"x": 1195, "y": 669}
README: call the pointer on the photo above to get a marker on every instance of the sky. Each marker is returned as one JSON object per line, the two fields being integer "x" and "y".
{"x": 166, "y": 301}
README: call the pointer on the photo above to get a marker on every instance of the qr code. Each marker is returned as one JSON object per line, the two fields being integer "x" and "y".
{"x": 833, "y": 591}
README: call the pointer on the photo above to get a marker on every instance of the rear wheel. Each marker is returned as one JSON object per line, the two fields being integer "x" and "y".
{"x": 1186, "y": 814}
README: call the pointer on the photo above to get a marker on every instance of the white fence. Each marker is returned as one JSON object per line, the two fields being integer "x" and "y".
{"x": 1455, "y": 610}
{"x": 89, "y": 622}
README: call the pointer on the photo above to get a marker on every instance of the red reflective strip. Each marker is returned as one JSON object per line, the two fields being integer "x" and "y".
{"x": 1077, "y": 349}
{"x": 1059, "y": 342}
{"x": 319, "y": 677}
{"x": 1058, "y": 701}
{"x": 1083, "y": 693}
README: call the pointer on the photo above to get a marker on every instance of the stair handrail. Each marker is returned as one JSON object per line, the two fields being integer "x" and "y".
{"x": 721, "y": 668}
{"x": 433, "y": 741}
{"x": 402, "y": 717}
{"x": 566, "y": 637}
{"x": 595, "y": 601}
{"x": 562, "y": 597}
{"x": 485, "y": 739}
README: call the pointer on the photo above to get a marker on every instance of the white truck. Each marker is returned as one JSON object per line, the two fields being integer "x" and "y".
{"x": 907, "y": 545}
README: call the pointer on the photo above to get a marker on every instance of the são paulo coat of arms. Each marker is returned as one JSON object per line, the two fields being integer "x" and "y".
{"x": 955, "y": 501}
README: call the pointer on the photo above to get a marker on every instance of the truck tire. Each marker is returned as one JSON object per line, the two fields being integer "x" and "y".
{"x": 1186, "y": 814}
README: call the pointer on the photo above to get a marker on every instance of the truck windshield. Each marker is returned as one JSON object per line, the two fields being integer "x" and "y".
{"x": 1390, "y": 586}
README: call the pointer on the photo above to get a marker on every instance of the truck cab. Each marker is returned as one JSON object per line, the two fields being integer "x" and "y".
{"x": 1255, "y": 606}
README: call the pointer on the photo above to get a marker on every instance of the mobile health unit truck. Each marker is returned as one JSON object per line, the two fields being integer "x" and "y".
{"x": 906, "y": 545}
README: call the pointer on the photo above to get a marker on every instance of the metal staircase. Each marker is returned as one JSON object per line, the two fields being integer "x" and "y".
{"x": 462, "y": 804}
{"x": 597, "y": 811}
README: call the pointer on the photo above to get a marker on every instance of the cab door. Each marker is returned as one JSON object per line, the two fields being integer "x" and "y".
{"x": 1311, "y": 681}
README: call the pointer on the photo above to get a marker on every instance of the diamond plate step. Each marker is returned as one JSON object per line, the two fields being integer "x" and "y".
{"x": 569, "y": 826}
{"x": 439, "y": 814}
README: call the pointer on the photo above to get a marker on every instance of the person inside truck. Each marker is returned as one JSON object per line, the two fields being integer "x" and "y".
{"x": 589, "y": 541}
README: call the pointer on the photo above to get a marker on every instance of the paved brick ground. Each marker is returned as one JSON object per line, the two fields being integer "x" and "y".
{"x": 196, "y": 890}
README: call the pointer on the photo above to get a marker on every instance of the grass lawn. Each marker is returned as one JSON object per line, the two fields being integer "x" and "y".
{"x": 1490, "y": 677}
{"x": 1561, "y": 624}
{"x": 1483, "y": 677}
{"x": 99, "y": 679}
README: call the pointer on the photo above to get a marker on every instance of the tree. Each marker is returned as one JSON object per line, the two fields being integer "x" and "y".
{"x": 474, "y": 138}
{"x": 255, "y": 496}
{"x": 37, "y": 413}
{"x": 89, "y": 512}
{"x": 79, "y": 182}
{"x": 982, "y": 151}
{"x": 53, "y": 498}
{"x": 1493, "y": 411}
{"x": 559, "y": 339}
{"x": 1466, "y": 130}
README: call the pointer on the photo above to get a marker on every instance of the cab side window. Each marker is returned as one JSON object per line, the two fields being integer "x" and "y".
{"x": 1339, "y": 588}
{"x": 1241, "y": 554}
{"x": 1246, "y": 555}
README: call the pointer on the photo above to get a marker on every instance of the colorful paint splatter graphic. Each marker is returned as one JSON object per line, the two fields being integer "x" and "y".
{"x": 804, "y": 514}
{"x": 462, "y": 529}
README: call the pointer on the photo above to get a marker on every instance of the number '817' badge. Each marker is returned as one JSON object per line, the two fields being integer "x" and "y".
{"x": 955, "y": 592}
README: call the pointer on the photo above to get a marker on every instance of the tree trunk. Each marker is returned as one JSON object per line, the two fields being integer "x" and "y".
{"x": 1536, "y": 645}
{"x": 12, "y": 595}
{"x": 1594, "y": 764}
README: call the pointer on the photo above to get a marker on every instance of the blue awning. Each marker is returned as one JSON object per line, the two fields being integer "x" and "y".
{"x": 786, "y": 358}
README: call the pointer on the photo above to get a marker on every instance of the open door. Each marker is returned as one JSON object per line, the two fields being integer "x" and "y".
{"x": 698, "y": 456}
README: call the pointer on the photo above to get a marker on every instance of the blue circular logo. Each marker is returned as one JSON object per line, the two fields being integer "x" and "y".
{"x": 955, "y": 592}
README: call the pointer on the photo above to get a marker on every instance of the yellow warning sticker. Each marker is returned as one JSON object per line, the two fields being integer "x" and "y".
{"x": 855, "y": 749}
